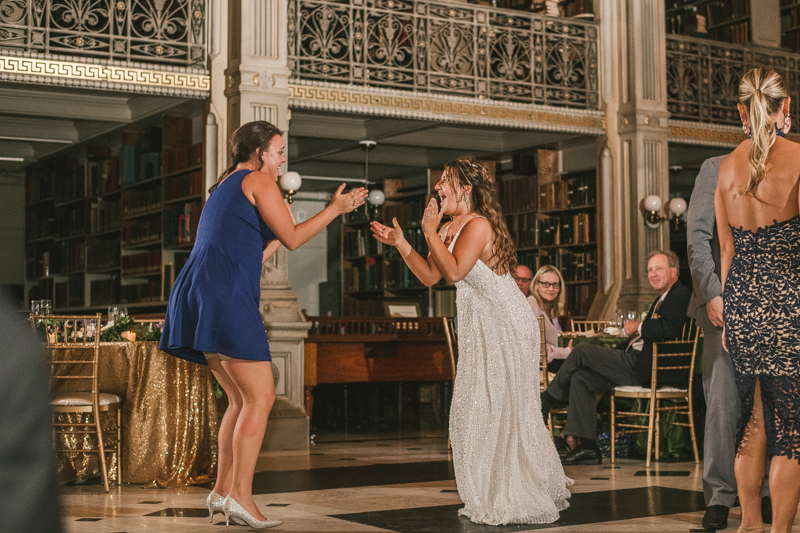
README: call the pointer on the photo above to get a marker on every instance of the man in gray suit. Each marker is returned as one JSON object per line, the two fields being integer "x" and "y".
{"x": 719, "y": 384}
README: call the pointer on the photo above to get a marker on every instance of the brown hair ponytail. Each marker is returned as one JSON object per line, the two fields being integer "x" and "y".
{"x": 243, "y": 144}
{"x": 762, "y": 91}
{"x": 483, "y": 199}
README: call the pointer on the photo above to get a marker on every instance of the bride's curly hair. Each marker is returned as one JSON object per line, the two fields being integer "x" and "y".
{"x": 483, "y": 201}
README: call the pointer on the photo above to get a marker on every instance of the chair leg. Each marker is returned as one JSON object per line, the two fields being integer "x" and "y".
{"x": 691, "y": 430}
{"x": 613, "y": 429}
{"x": 650, "y": 424}
{"x": 657, "y": 455}
{"x": 119, "y": 446}
{"x": 101, "y": 447}
{"x": 550, "y": 426}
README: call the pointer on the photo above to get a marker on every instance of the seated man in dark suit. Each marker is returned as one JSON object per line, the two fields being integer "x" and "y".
{"x": 590, "y": 370}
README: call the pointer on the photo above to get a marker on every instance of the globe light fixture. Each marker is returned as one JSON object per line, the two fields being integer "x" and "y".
{"x": 290, "y": 182}
{"x": 651, "y": 206}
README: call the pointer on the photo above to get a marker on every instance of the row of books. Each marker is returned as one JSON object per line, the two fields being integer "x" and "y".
{"x": 68, "y": 256}
{"x": 147, "y": 262}
{"x": 183, "y": 185}
{"x": 407, "y": 214}
{"x": 397, "y": 275}
{"x": 69, "y": 293}
{"x": 183, "y": 157}
{"x": 103, "y": 291}
{"x": 735, "y": 33}
{"x": 570, "y": 193}
{"x": 39, "y": 183}
{"x": 791, "y": 40}
{"x": 141, "y": 231}
{"x": 180, "y": 224}
{"x": 70, "y": 221}
{"x": 358, "y": 242}
{"x": 41, "y": 223}
{"x": 137, "y": 163}
{"x": 726, "y": 11}
{"x": 102, "y": 176}
{"x": 148, "y": 291}
{"x": 104, "y": 216}
{"x": 366, "y": 277}
{"x": 102, "y": 255}
{"x": 576, "y": 7}
{"x": 415, "y": 238}
{"x": 70, "y": 183}
{"x": 574, "y": 266}
{"x": 139, "y": 201}
{"x": 37, "y": 260}
{"x": 520, "y": 194}
{"x": 529, "y": 230}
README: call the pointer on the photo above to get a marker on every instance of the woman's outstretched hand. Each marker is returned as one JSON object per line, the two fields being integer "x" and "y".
{"x": 344, "y": 203}
{"x": 431, "y": 218}
{"x": 392, "y": 236}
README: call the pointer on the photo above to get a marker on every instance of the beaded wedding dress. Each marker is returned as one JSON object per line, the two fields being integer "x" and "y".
{"x": 507, "y": 468}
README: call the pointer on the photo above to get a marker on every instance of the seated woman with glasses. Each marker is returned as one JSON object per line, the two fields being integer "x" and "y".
{"x": 547, "y": 297}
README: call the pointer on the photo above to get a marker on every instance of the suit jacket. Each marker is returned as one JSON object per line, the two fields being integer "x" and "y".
{"x": 665, "y": 325}
{"x": 703, "y": 243}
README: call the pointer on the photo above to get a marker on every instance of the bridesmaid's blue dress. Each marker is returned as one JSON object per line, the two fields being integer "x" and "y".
{"x": 214, "y": 303}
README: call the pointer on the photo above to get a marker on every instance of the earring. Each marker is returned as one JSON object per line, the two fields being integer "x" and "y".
{"x": 745, "y": 129}
{"x": 464, "y": 197}
{"x": 787, "y": 124}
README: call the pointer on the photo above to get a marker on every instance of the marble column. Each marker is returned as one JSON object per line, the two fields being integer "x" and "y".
{"x": 633, "y": 155}
{"x": 257, "y": 79}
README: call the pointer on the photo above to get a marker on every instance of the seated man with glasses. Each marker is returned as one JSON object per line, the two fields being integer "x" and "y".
{"x": 590, "y": 370}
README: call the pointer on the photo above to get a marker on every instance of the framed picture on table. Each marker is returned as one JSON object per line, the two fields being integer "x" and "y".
{"x": 402, "y": 308}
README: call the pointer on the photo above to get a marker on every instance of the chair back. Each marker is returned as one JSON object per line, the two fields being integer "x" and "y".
{"x": 676, "y": 356}
{"x": 452, "y": 342}
{"x": 544, "y": 379}
{"x": 79, "y": 338}
{"x": 598, "y": 326}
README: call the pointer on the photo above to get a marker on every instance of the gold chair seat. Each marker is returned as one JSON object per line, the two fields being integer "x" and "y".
{"x": 645, "y": 390}
{"x": 74, "y": 399}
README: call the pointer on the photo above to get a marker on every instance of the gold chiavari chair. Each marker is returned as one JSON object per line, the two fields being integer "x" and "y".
{"x": 680, "y": 355}
{"x": 598, "y": 326}
{"x": 74, "y": 349}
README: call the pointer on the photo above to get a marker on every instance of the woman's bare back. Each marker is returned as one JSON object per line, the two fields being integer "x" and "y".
{"x": 777, "y": 197}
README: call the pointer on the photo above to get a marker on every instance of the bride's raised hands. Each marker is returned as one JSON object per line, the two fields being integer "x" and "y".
{"x": 431, "y": 218}
{"x": 393, "y": 236}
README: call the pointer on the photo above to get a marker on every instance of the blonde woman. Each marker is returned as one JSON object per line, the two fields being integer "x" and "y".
{"x": 507, "y": 469}
{"x": 548, "y": 297}
{"x": 757, "y": 205}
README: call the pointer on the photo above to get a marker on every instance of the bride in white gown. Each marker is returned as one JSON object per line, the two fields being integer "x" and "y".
{"x": 507, "y": 469}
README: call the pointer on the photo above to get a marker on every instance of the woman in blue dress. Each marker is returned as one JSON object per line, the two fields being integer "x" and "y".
{"x": 213, "y": 313}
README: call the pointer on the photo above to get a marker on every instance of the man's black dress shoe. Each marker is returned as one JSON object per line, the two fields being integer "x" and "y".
{"x": 716, "y": 517}
{"x": 766, "y": 509}
{"x": 561, "y": 447}
{"x": 583, "y": 456}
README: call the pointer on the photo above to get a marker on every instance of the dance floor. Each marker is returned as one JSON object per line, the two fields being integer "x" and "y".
{"x": 401, "y": 484}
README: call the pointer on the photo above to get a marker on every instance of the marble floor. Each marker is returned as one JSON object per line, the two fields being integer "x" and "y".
{"x": 398, "y": 484}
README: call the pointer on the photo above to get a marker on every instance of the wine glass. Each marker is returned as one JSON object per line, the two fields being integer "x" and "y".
{"x": 113, "y": 313}
{"x": 35, "y": 306}
{"x": 45, "y": 306}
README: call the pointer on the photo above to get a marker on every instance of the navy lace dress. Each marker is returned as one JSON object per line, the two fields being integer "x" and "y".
{"x": 213, "y": 305}
{"x": 762, "y": 328}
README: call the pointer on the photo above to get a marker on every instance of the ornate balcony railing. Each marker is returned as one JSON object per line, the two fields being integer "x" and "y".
{"x": 703, "y": 77}
{"x": 437, "y": 46}
{"x": 153, "y": 31}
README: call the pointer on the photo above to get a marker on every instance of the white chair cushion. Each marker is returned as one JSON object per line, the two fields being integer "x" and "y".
{"x": 76, "y": 399}
{"x": 629, "y": 388}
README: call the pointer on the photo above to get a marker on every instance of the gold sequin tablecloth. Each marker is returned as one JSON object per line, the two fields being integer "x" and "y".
{"x": 169, "y": 418}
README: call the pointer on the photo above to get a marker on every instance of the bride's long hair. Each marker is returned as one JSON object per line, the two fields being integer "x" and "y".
{"x": 483, "y": 201}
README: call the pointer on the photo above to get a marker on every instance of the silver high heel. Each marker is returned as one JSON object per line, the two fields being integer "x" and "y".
{"x": 214, "y": 503}
{"x": 233, "y": 510}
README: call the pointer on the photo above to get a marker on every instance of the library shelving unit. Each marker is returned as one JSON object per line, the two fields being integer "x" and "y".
{"x": 552, "y": 220}
{"x": 113, "y": 223}
{"x": 373, "y": 273}
{"x": 719, "y": 20}
{"x": 790, "y": 24}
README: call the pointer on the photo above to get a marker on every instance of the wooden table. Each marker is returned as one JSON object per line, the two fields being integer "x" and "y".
{"x": 360, "y": 350}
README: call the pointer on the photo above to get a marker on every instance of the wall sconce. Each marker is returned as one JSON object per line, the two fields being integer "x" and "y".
{"x": 652, "y": 205}
{"x": 290, "y": 182}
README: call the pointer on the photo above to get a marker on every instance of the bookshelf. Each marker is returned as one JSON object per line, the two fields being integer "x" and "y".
{"x": 552, "y": 219}
{"x": 373, "y": 273}
{"x": 790, "y": 24}
{"x": 719, "y": 20}
{"x": 113, "y": 222}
